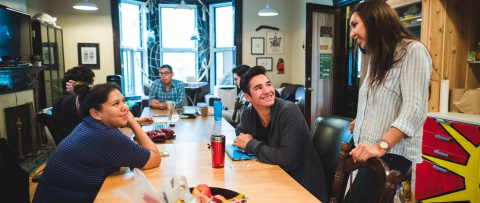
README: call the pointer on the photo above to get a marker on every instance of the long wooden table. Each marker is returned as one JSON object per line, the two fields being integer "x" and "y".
{"x": 190, "y": 157}
{"x": 195, "y": 130}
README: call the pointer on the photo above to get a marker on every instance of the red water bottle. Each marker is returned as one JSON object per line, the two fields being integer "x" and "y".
{"x": 217, "y": 143}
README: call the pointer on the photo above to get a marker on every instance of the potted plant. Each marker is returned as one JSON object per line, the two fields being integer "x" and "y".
{"x": 36, "y": 60}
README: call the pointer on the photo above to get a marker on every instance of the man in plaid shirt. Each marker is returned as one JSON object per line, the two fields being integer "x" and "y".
{"x": 166, "y": 89}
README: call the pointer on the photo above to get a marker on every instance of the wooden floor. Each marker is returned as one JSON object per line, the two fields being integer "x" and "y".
{"x": 33, "y": 186}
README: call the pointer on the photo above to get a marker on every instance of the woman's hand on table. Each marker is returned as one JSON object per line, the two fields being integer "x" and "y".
{"x": 242, "y": 140}
{"x": 365, "y": 151}
{"x": 147, "y": 120}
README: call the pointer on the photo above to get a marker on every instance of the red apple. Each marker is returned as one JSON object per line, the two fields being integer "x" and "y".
{"x": 202, "y": 189}
{"x": 220, "y": 197}
{"x": 201, "y": 198}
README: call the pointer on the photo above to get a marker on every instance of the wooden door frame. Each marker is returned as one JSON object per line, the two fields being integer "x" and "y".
{"x": 338, "y": 105}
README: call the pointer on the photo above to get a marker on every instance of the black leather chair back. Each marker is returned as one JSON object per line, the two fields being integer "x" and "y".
{"x": 44, "y": 116}
{"x": 328, "y": 134}
{"x": 14, "y": 183}
{"x": 191, "y": 92}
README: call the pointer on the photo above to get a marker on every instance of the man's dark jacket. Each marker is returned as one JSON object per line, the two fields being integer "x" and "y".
{"x": 290, "y": 147}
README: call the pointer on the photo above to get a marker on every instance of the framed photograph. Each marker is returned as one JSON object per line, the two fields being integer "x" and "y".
{"x": 265, "y": 62}
{"x": 89, "y": 54}
{"x": 258, "y": 47}
{"x": 275, "y": 42}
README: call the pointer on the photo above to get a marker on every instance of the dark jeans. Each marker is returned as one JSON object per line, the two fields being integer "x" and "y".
{"x": 365, "y": 185}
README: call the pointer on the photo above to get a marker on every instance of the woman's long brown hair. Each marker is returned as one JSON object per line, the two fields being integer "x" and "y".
{"x": 385, "y": 36}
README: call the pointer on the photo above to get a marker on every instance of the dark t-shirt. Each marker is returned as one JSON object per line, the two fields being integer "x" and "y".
{"x": 262, "y": 132}
{"x": 66, "y": 114}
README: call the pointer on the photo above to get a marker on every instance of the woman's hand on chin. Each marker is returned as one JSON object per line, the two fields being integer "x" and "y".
{"x": 131, "y": 120}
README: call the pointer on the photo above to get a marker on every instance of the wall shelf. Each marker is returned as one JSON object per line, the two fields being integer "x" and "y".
{"x": 412, "y": 18}
{"x": 474, "y": 62}
{"x": 413, "y": 26}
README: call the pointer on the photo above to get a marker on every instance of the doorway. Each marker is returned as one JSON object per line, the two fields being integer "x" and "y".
{"x": 331, "y": 66}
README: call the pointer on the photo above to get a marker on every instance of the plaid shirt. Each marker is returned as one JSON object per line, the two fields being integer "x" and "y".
{"x": 176, "y": 93}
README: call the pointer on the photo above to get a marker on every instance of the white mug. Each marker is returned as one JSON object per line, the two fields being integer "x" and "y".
{"x": 169, "y": 104}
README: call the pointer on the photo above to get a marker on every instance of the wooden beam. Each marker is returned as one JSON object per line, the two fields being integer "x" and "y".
{"x": 436, "y": 31}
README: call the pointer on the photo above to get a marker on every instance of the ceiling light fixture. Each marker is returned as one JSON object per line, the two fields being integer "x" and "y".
{"x": 267, "y": 11}
{"x": 182, "y": 5}
{"x": 85, "y": 5}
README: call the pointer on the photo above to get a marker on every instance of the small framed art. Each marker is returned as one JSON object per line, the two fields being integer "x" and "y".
{"x": 265, "y": 62}
{"x": 258, "y": 47}
{"x": 89, "y": 54}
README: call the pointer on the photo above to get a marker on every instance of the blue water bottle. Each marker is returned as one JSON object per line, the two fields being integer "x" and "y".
{"x": 217, "y": 109}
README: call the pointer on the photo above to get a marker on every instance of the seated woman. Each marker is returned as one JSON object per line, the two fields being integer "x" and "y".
{"x": 95, "y": 148}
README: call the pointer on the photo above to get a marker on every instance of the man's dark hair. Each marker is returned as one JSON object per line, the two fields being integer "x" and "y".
{"x": 240, "y": 70}
{"x": 93, "y": 97}
{"x": 245, "y": 79}
{"x": 166, "y": 66}
{"x": 80, "y": 73}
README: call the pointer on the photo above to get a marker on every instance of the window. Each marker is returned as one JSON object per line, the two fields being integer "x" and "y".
{"x": 133, "y": 47}
{"x": 222, "y": 49}
{"x": 177, "y": 48}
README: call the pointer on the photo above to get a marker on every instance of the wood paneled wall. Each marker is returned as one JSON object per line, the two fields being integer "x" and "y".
{"x": 450, "y": 30}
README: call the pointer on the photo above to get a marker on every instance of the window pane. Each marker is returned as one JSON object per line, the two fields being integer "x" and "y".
{"x": 223, "y": 67}
{"x": 138, "y": 73}
{"x": 177, "y": 28}
{"x": 127, "y": 72}
{"x": 224, "y": 26}
{"x": 219, "y": 67}
{"x": 130, "y": 24}
{"x": 183, "y": 64}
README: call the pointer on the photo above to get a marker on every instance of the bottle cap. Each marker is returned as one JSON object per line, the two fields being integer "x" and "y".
{"x": 217, "y": 138}
{"x": 217, "y": 99}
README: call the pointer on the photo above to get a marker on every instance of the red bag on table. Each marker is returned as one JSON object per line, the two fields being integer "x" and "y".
{"x": 161, "y": 135}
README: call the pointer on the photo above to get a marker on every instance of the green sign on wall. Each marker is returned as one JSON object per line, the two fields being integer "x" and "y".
{"x": 325, "y": 66}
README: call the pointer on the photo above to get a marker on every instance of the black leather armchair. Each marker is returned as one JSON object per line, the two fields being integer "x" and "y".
{"x": 328, "y": 134}
{"x": 294, "y": 93}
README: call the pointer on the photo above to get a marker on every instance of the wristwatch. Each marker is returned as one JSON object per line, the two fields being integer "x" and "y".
{"x": 384, "y": 144}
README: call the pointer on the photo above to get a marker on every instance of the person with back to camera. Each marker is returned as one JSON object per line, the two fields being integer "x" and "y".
{"x": 95, "y": 148}
{"x": 237, "y": 74}
{"x": 393, "y": 100}
{"x": 65, "y": 110}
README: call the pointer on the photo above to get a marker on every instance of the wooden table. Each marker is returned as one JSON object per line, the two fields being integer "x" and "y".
{"x": 195, "y": 130}
{"x": 260, "y": 182}
{"x": 189, "y": 156}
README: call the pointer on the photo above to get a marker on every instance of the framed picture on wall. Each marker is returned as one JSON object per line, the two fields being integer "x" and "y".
{"x": 265, "y": 62}
{"x": 89, "y": 54}
{"x": 258, "y": 47}
{"x": 275, "y": 42}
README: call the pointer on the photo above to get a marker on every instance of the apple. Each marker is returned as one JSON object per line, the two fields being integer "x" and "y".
{"x": 201, "y": 198}
{"x": 202, "y": 189}
{"x": 220, "y": 197}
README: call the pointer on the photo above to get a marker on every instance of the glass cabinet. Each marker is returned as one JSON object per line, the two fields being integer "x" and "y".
{"x": 48, "y": 41}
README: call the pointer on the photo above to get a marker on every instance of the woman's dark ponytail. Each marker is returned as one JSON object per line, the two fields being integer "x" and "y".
{"x": 93, "y": 97}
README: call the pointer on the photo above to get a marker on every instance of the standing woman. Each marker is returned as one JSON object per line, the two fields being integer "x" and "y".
{"x": 95, "y": 148}
{"x": 393, "y": 100}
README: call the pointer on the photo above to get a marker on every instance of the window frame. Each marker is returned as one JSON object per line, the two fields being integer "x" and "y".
{"x": 212, "y": 45}
{"x": 133, "y": 49}
{"x": 177, "y": 50}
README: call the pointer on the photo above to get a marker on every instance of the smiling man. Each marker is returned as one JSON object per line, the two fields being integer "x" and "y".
{"x": 275, "y": 131}
{"x": 166, "y": 89}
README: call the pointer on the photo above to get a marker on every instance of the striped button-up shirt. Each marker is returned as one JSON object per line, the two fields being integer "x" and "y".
{"x": 176, "y": 93}
{"x": 400, "y": 102}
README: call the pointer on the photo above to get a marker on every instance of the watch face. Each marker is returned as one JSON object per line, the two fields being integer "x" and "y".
{"x": 384, "y": 145}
